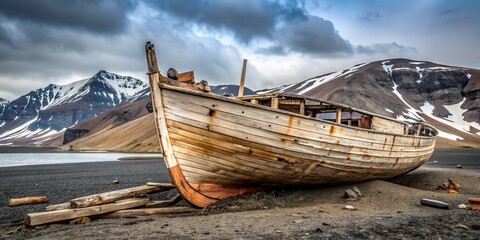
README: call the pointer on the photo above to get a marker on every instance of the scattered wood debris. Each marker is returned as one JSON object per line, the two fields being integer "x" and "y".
{"x": 27, "y": 200}
{"x": 114, "y": 204}
{"x": 451, "y": 186}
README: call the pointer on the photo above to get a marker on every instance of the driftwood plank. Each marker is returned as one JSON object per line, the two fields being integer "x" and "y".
{"x": 166, "y": 203}
{"x": 27, "y": 200}
{"x": 113, "y": 196}
{"x": 162, "y": 185}
{"x": 58, "y": 206}
{"x": 148, "y": 211}
{"x": 34, "y": 219}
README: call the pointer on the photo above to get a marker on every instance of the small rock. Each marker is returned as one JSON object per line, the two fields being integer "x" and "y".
{"x": 116, "y": 181}
{"x": 357, "y": 191}
{"x": 82, "y": 220}
{"x": 462, "y": 206}
{"x": 297, "y": 221}
{"x": 459, "y": 166}
{"x": 348, "y": 207}
{"x": 279, "y": 231}
{"x": 349, "y": 193}
{"x": 462, "y": 226}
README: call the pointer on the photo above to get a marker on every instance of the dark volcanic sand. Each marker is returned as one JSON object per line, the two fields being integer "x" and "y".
{"x": 389, "y": 209}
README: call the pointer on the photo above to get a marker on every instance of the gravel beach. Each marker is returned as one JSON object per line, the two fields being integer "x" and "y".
{"x": 388, "y": 209}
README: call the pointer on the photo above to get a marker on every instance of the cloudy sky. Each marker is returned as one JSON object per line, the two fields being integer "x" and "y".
{"x": 57, "y": 41}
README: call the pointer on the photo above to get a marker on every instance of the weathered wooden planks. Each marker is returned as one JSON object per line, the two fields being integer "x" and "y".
{"x": 109, "y": 197}
{"x": 34, "y": 219}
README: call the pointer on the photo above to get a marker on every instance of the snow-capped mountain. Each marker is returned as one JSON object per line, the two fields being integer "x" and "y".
{"x": 3, "y": 103}
{"x": 46, "y": 111}
{"x": 447, "y": 97}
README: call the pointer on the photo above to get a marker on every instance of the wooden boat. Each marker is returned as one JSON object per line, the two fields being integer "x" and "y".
{"x": 216, "y": 146}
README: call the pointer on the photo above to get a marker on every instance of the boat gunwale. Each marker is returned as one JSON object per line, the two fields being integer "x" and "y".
{"x": 239, "y": 101}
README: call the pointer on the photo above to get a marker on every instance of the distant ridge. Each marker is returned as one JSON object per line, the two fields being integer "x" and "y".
{"x": 35, "y": 116}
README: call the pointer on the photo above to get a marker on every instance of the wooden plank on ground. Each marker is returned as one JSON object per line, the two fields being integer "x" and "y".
{"x": 58, "y": 206}
{"x": 165, "y": 203}
{"x": 27, "y": 200}
{"x": 113, "y": 196}
{"x": 34, "y": 219}
{"x": 148, "y": 211}
{"x": 163, "y": 185}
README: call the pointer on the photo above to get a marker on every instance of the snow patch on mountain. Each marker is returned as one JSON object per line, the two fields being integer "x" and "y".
{"x": 387, "y": 68}
{"x": 315, "y": 82}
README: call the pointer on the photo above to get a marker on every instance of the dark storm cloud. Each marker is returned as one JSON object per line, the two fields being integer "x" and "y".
{"x": 315, "y": 36}
{"x": 369, "y": 16}
{"x": 288, "y": 24}
{"x": 247, "y": 19}
{"x": 98, "y": 16}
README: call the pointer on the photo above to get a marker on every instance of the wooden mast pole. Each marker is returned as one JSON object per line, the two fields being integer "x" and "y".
{"x": 242, "y": 79}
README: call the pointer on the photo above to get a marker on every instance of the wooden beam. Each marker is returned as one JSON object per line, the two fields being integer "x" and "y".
{"x": 162, "y": 185}
{"x": 148, "y": 211}
{"x": 27, "y": 200}
{"x": 113, "y": 196}
{"x": 302, "y": 107}
{"x": 254, "y": 101}
{"x": 34, "y": 219}
{"x": 58, "y": 206}
{"x": 166, "y": 203}
{"x": 419, "y": 128}
{"x": 290, "y": 101}
{"x": 274, "y": 103}
{"x": 338, "y": 115}
{"x": 242, "y": 79}
{"x": 186, "y": 77}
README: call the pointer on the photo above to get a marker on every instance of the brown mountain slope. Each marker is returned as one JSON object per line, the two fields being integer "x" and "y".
{"x": 138, "y": 135}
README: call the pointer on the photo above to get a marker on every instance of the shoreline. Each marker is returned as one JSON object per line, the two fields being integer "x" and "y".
{"x": 388, "y": 209}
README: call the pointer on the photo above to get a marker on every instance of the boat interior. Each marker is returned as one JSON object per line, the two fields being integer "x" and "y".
{"x": 325, "y": 110}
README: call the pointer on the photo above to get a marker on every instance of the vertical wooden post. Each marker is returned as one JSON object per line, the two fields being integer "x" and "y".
{"x": 242, "y": 79}
{"x": 274, "y": 102}
{"x": 302, "y": 107}
{"x": 254, "y": 101}
{"x": 339, "y": 115}
{"x": 419, "y": 129}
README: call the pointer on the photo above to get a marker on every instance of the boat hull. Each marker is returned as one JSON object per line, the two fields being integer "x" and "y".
{"x": 216, "y": 147}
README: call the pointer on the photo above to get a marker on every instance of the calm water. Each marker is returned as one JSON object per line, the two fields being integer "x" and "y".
{"x": 19, "y": 159}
